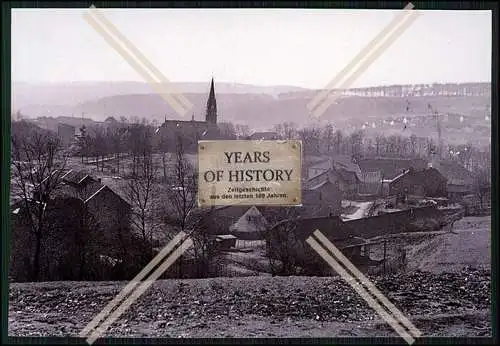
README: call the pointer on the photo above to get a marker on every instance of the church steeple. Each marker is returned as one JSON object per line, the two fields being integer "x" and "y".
{"x": 211, "y": 115}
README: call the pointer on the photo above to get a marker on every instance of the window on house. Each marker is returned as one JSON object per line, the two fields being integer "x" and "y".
{"x": 252, "y": 218}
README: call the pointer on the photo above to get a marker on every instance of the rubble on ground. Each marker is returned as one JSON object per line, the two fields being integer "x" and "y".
{"x": 173, "y": 302}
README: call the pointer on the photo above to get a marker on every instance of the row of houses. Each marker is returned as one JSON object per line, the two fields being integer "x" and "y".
{"x": 388, "y": 176}
{"x": 110, "y": 209}
{"x": 327, "y": 183}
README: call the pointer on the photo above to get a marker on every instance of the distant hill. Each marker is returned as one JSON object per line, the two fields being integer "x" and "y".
{"x": 26, "y": 95}
{"x": 263, "y": 107}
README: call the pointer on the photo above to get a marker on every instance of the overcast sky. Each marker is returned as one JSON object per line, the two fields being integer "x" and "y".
{"x": 263, "y": 47}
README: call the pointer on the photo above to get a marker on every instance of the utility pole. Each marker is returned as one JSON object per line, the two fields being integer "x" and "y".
{"x": 435, "y": 113}
{"x": 385, "y": 254}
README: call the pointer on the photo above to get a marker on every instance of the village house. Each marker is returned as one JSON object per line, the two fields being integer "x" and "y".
{"x": 66, "y": 134}
{"x": 244, "y": 222}
{"x": 110, "y": 210}
{"x": 460, "y": 181}
{"x": 339, "y": 162}
{"x": 347, "y": 181}
{"x": 323, "y": 198}
{"x": 250, "y": 222}
{"x": 376, "y": 170}
{"x": 333, "y": 228}
{"x": 250, "y": 225}
{"x": 63, "y": 224}
{"x": 427, "y": 183}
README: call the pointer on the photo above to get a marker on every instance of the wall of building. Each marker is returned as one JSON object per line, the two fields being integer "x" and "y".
{"x": 397, "y": 222}
{"x": 110, "y": 210}
{"x": 66, "y": 134}
{"x": 418, "y": 184}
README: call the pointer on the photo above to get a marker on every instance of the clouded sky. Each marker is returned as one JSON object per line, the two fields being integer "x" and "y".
{"x": 255, "y": 46}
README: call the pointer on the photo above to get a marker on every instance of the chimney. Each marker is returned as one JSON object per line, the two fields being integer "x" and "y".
{"x": 433, "y": 163}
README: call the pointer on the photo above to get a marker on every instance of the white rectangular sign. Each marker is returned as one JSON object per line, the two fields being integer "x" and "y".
{"x": 244, "y": 172}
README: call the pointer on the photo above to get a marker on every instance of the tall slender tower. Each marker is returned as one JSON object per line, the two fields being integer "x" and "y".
{"x": 211, "y": 115}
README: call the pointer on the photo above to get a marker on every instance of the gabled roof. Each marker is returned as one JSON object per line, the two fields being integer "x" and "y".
{"x": 396, "y": 178}
{"x": 317, "y": 186}
{"x": 426, "y": 176}
{"x": 73, "y": 186}
{"x": 76, "y": 177}
{"x": 195, "y": 128}
{"x": 225, "y": 236}
{"x": 348, "y": 170}
{"x": 265, "y": 135}
{"x": 344, "y": 175}
{"x": 346, "y": 162}
{"x": 244, "y": 225}
{"x": 455, "y": 173}
{"x": 325, "y": 164}
{"x": 347, "y": 176}
{"x": 221, "y": 218}
{"x": 390, "y": 167}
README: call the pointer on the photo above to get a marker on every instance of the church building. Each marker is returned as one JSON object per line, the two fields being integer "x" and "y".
{"x": 190, "y": 132}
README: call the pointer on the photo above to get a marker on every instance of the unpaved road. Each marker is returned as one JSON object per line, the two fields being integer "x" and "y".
{"x": 439, "y": 305}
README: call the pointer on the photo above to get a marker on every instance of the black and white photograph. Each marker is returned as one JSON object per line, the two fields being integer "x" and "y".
{"x": 388, "y": 234}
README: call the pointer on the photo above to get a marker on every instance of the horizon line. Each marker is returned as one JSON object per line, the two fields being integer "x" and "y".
{"x": 240, "y": 83}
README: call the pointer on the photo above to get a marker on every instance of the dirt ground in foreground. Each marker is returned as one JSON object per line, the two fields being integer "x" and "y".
{"x": 439, "y": 305}
{"x": 446, "y": 292}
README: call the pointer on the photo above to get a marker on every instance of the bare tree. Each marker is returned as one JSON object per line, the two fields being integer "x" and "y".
{"x": 100, "y": 146}
{"x": 227, "y": 130}
{"x": 289, "y": 130}
{"x": 242, "y": 131}
{"x": 328, "y": 138}
{"x": 140, "y": 193}
{"x": 310, "y": 137}
{"x": 482, "y": 185}
{"x": 182, "y": 186}
{"x": 185, "y": 216}
{"x": 356, "y": 140}
{"x": 413, "y": 145}
{"x": 83, "y": 143}
{"x": 283, "y": 248}
{"x": 338, "y": 139}
{"x": 37, "y": 167}
{"x": 286, "y": 130}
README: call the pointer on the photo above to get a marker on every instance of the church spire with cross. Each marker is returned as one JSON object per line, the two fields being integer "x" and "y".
{"x": 211, "y": 115}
